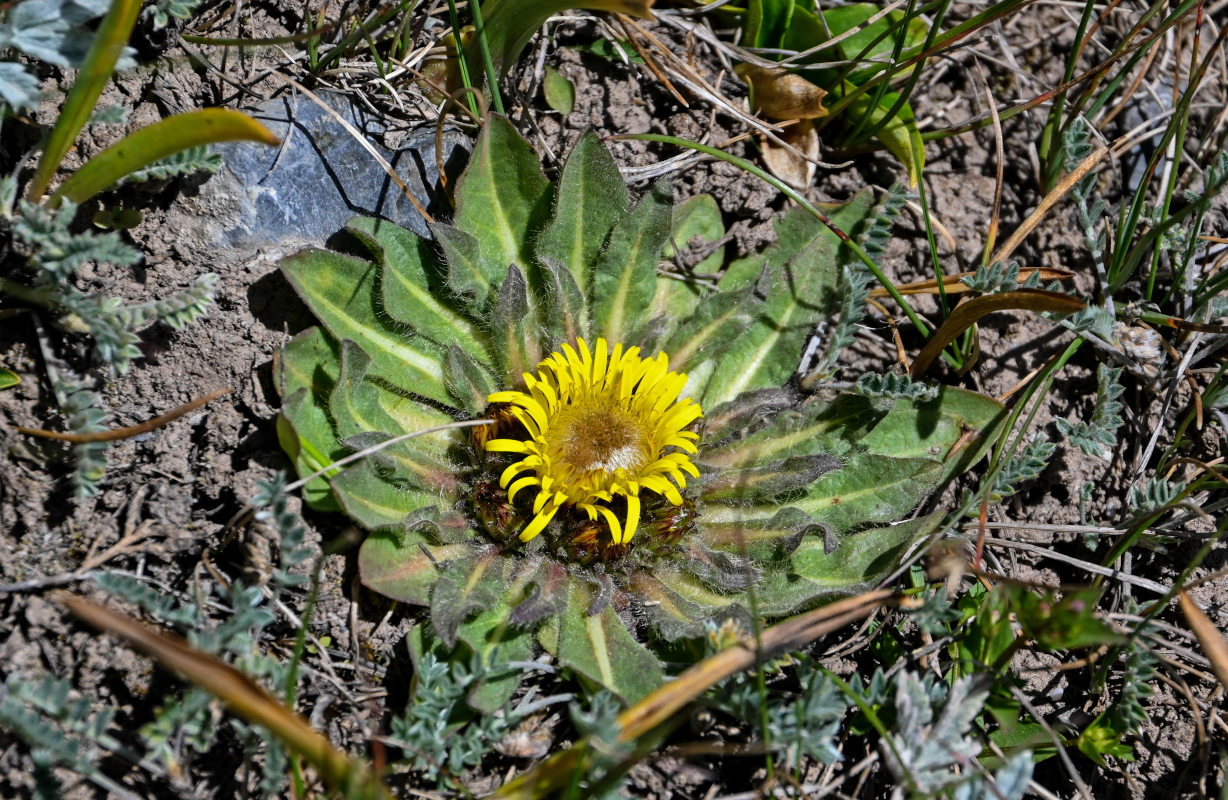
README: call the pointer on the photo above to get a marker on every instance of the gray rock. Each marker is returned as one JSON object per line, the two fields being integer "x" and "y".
{"x": 280, "y": 198}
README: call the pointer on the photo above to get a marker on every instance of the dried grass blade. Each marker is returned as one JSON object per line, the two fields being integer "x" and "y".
{"x": 966, "y": 314}
{"x": 1209, "y": 636}
{"x": 244, "y": 696}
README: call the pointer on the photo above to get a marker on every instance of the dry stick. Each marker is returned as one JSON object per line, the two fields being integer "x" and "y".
{"x": 1087, "y": 566}
{"x": 1050, "y": 200}
{"x": 623, "y": 21}
{"x": 124, "y": 433}
{"x": 362, "y": 140}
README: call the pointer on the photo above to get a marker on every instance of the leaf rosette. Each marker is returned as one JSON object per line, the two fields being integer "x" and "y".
{"x": 784, "y": 495}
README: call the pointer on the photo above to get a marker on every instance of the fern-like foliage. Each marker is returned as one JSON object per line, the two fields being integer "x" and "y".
{"x": 999, "y": 277}
{"x": 275, "y": 511}
{"x": 803, "y": 723}
{"x": 1157, "y": 494}
{"x": 55, "y": 251}
{"x": 1026, "y": 465}
{"x": 1089, "y": 212}
{"x": 60, "y": 730}
{"x": 185, "y": 162}
{"x": 1128, "y": 714}
{"x": 83, "y": 414}
{"x": 890, "y": 384}
{"x": 164, "y": 10}
{"x": 1098, "y": 436}
{"x": 438, "y": 731}
{"x": 179, "y": 310}
{"x": 1091, "y": 318}
{"x": 932, "y": 738}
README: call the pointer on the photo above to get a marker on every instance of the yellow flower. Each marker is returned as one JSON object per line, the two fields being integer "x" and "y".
{"x": 600, "y": 425}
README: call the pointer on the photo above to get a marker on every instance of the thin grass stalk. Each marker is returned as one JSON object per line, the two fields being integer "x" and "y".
{"x": 1044, "y": 97}
{"x": 941, "y": 45}
{"x": 1051, "y": 148}
{"x": 1004, "y": 452}
{"x": 905, "y": 92}
{"x": 492, "y": 76}
{"x": 897, "y": 48}
{"x": 105, "y": 49}
{"x": 462, "y": 63}
{"x": 1126, "y": 258}
{"x": 1125, "y": 46}
{"x": 1179, "y": 122}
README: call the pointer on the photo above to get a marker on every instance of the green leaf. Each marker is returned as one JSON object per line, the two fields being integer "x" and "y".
{"x": 591, "y": 199}
{"x": 566, "y": 309}
{"x": 767, "y": 22}
{"x": 501, "y": 201}
{"x": 862, "y": 44}
{"x": 467, "y": 381}
{"x": 931, "y": 429}
{"x": 870, "y": 488}
{"x": 600, "y": 648}
{"x": 511, "y": 23}
{"x": 696, "y": 220}
{"x": 764, "y": 539}
{"x": 410, "y": 293}
{"x": 685, "y": 596}
{"x": 8, "y": 378}
{"x": 771, "y": 482}
{"x": 800, "y": 290}
{"x": 357, "y": 412}
{"x": 374, "y": 499}
{"x": 678, "y": 604}
{"x": 898, "y": 134}
{"x": 862, "y": 558}
{"x": 717, "y": 322}
{"x": 560, "y": 93}
{"x": 340, "y": 291}
{"x": 467, "y": 276}
{"x": 814, "y": 427}
{"x": 403, "y": 563}
{"x": 498, "y": 640}
{"x": 466, "y": 585}
{"x": 143, "y": 147}
{"x": 515, "y": 341}
{"x": 306, "y": 372}
{"x": 626, "y": 275}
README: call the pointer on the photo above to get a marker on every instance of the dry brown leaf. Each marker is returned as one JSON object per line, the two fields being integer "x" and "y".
{"x": 780, "y": 94}
{"x": 786, "y": 163}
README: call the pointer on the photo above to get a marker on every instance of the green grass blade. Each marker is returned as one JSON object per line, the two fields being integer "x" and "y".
{"x": 105, "y": 51}
{"x": 141, "y": 148}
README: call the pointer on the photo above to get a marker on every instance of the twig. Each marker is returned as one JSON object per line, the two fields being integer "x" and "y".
{"x": 116, "y": 434}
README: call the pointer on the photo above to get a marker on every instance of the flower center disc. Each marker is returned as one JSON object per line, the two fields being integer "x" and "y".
{"x": 591, "y": 438}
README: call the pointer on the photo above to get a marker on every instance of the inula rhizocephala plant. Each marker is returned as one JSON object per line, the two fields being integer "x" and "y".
{"x": 649, "y": 466}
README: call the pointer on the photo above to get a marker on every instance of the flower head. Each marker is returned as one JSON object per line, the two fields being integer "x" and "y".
{"x": 600, "y": 425}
